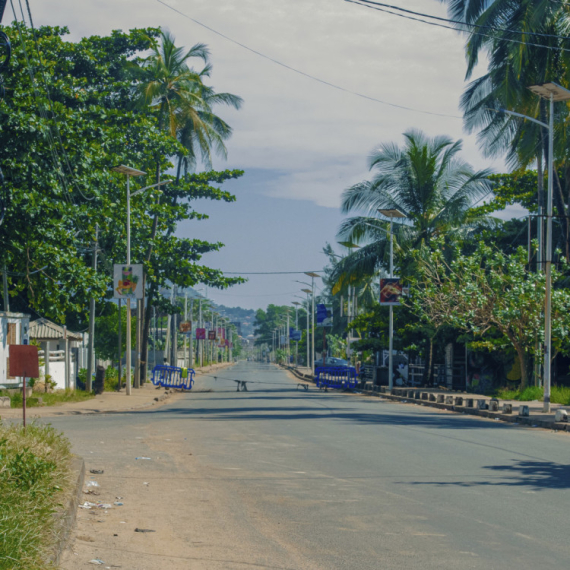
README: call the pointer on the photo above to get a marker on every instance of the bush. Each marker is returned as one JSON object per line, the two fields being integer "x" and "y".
{"x": 111, "y": 379}
{"x": 35, "y": 472}
{"x": 558, "y": 394}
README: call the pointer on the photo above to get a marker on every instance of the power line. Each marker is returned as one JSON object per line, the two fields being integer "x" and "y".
{"x": 272, "y": 272}
{"x": 481, "y": 26}
{"x": 307, "y": 75}
{"x": 359, "y": 3}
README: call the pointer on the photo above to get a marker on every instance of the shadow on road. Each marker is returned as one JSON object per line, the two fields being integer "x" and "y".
{"x": 536, "y": 475}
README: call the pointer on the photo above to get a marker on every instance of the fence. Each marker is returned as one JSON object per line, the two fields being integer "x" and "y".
{"x": 340, "y": 377}
{"x": 171, "y": 377}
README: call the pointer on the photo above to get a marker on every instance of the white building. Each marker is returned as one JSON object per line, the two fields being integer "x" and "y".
{"x": 62, "y": 360}
{"x": 14, "y": 329}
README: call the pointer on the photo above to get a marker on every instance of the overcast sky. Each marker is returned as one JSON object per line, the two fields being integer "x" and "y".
{"x": 301, "y": 143}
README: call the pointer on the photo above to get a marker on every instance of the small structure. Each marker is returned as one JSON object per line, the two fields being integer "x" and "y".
{"x": 56, "y": 344}
{"x": 14, "y": 329}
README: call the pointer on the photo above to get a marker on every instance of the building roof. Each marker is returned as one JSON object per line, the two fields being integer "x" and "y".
{"x": 43, "y": 329}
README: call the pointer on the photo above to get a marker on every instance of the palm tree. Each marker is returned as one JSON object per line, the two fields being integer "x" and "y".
{"x": 525, "y": 43}
{"x": 427, "y": 182}
{"x": 183, "y": 102}
{"x": 184, "y": 106}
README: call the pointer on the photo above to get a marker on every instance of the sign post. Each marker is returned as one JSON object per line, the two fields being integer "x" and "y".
{"x": 24, "y": 362}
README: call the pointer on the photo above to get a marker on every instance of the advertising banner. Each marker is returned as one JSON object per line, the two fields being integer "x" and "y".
{"x": 200, "y": 334}
{"x": 324, "y": 316}
{"x": 222, "y": 332}
{"x": 390, "y": 291}
{"x": 185, "y": 327}
{"x": 211, "y": 335}
{"x": 128, "y": 281}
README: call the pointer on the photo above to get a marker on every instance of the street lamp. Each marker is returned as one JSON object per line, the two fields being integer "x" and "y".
{"x": 391, "y": 213}
{"x": 128, "y": 171}
{"x": 310, "y": 362}
{"x": 296, "y": 303}
{"x": 553, "y": 93}
{"x": 312, "y": 275}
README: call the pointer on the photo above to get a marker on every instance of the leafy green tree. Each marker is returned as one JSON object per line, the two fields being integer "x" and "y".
{"x": 107, "y": 337}
{"x": 491, "y": 292}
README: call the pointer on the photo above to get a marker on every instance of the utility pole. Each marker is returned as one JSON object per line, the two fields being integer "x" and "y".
{"x": 191, "y": 336}
{"x": 200, "y": 342}
{"x": 91, "y": 350}
{"x": 137, "y": 379}
{"x": 6, "y": 298}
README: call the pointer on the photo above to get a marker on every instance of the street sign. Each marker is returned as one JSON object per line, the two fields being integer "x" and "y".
{"x": 324, "y": 316}
{"x": 128, "y": 281}
{"x": 200, "y": 334}
{"x": 24, "y": 360}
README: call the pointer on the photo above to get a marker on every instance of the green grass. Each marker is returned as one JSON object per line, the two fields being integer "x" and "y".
{"x": 558, "y": 394}
{"x": 49, "y": 399}
{"x": 34, "y": 475}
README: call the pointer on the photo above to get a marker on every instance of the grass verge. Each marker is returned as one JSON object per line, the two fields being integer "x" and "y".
{"x": 34, "y": 473}
{"x": 49, "y": 399}
{"x": 558, "y": 394}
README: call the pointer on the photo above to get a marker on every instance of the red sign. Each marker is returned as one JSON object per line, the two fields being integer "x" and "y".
{"x": 390, "y": 291}
{"x": 24, "y": 360}
{"x": 201, "y": 334}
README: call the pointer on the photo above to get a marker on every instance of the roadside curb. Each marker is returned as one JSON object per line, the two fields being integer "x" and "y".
{"x": 458, "y": 409}
{"x": 508, "y": 418}
{"x": 64, "y": 520}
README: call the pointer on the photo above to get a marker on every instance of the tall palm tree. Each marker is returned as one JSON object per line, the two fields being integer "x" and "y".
{"x": 525, "y": 42}
{"x": 427, "y": 181}
{"x": 169, "y": 86}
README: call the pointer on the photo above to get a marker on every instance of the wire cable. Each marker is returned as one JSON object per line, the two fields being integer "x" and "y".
{"x": 359, "y": 3}
{"x": 480, "y": 26}
{"x": 307, "y": 75}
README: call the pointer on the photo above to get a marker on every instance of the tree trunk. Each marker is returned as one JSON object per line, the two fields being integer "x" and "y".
{"x": 561, "y": 208}
{"x": 524, "y": 366}
{"x": 429, "y": 379}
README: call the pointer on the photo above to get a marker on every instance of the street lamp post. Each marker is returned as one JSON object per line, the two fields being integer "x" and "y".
{"x": 309, "y": 364}
{"x": 296, "y": 303}
{"x": 552, "y": 92}
{"x": 391, "y": 213}
{"x": 129, "y": 172}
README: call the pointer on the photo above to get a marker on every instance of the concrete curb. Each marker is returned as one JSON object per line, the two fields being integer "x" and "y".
{"x": 64, "y": 520}
{"x": 509, "y": 418}
{"x": 423, "y": 398}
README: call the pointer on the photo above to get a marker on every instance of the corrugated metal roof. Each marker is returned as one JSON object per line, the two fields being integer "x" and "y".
{"x": 43, "y": 329}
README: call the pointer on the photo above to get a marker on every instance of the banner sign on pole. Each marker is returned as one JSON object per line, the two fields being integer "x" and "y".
{"x": 324, "y": 316}
{"x": 296, "y": 335}
{"x": 390, "y": 291}
{"x": 200, "y": 334}
{"x": 127, "y": 281}
{"x": 211, "y": 335}
{"x": 185, "y": 327}
{"x": 221, "y": 333}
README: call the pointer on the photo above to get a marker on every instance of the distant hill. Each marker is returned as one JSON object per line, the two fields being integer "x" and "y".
{"x": 236, "y": 314}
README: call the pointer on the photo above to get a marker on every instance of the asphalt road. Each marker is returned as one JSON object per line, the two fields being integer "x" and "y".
{"x": 277, "y": 477}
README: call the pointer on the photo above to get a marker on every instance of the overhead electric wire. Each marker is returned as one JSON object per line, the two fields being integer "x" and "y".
{"x": 481, "y": 26}
{"x": 378, "y": 8}
{"x": 304, "y": 74}
{"x": 271, "y": 272}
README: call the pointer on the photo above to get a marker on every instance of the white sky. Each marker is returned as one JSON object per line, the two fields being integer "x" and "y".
{"x": 301, "y": 143}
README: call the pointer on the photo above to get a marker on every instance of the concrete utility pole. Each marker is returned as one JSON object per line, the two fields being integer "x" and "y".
{"x": 6, "y": 298}
{"x": 91, "y": 349}
{"x": 191, "y": 335}
{"x": 120, "y": 347}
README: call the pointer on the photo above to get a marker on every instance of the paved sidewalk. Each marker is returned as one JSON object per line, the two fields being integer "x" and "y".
{"x": 459, "y": 402}
{"x": 109, "y": 402}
